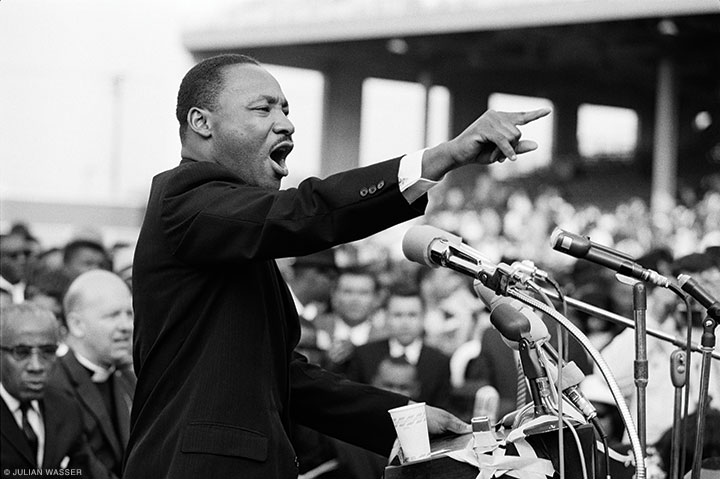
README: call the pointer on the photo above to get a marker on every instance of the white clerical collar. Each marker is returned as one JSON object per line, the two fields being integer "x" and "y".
{"x": 100, "y": 374}
{"x": 411, "y": 351}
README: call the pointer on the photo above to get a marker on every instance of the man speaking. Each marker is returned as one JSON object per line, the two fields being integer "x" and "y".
{"x": 215, "y": 325}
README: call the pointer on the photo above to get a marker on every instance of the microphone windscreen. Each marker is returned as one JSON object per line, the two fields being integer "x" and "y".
{"x": 512, "y": 324}
{"x": 417, "y": 240}
{"x": 555, "y": 237}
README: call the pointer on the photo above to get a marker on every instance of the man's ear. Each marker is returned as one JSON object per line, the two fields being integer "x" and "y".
{"x": 75, "y": 325}
{"x": 198, "y": 121}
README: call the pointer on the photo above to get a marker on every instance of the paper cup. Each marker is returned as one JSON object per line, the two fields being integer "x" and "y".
{"x": 411, "y": 426}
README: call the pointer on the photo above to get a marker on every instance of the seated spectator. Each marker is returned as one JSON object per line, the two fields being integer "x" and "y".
{"x": 354, "y": 304}
{"x": 15, "y": 254}
{"x": 83, "y": 255}
{"x": 41, "y": 426}
{"x": 47, "y": 289}
{"x": 397, "y": 375}
{"x": 405, "y": 317}
{"x": 98, "y": 309}
{"x": 122, "y": 261}
{"x": 451, "y": 308}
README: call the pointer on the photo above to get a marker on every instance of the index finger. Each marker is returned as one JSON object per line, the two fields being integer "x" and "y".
{"x": 524, "y": 117}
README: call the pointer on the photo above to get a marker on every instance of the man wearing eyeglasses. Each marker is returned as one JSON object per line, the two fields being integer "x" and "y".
{"x": 41, "y": 427}
{"x": 99, "y": 315}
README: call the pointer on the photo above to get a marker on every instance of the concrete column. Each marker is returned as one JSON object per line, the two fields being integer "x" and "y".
{"x": 341, "y": 121}
{"x": 468, "y": 102}
{"x": 665, "y": 152}
{"x": 565, "y": 122}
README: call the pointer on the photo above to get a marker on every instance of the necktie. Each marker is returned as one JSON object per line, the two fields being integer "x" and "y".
{"x": 27, "y": 428}
{"x": 521, "y": 387}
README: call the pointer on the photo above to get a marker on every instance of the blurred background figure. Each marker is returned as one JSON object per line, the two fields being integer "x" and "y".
{"x": 15, "y": 258}
{"x": 97, "y": 369}
{"x": 83, "y": 255}
{"x": 351, "y": 321}
{"x": 451, "y": 306}
{"x": 41, "y": 426}
{"x": 312, "y": 279}
{"x": 397, "y": 375}
{"x": 405, "y": 319}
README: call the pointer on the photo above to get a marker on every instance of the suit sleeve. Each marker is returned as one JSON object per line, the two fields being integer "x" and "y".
{"x": 349, "y": 411}
{"x": 209, "y": 217}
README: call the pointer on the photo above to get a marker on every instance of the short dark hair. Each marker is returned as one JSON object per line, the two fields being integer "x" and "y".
{"x": 202, "y": 84}
{"x": 74, "y": 246}
{"x": 404, "y": 289}
{"x": 360, "y": 270}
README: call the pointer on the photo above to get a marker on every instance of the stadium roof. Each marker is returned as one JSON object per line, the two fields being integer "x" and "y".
{"x": 288, "y": 22}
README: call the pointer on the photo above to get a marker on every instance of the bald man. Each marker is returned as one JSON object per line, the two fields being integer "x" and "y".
{"x": 96, "y": 370}
{"x": 41, "y": 425}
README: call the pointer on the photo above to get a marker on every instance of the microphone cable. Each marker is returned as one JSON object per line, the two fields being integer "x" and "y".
{"x": 604, "y": 369}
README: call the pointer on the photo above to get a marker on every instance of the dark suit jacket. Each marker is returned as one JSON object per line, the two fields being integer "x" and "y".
{"x": 215, "y": 324}
{"x": 495, "y": 366}
{"x": 63, "y": 437}
{"x": 107, "y": 444}
{"x": 433, "y": 370}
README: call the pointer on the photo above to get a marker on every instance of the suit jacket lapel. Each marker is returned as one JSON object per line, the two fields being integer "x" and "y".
{"x": 92, "y": 399}
{"x": 14, "y": 434}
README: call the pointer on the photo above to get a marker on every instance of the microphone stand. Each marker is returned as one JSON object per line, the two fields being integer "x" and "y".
{"x": 535, "y": 372}
{"x": 640, "y": 469}
{"x": 616, "y": 318}
{"x": 641, "y": 361}
{"x": 678, "y": 366}
{"x": 708, "y": 344}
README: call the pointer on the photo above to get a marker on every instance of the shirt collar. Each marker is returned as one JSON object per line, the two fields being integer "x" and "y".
{"x": 355, "y": 334}
{"x": 411, "y": 351}
{"x": 13, "y": 403}
{"x": 99, "y": 373}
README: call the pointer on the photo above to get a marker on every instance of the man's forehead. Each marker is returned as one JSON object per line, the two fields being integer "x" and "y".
{"x": 11, "y": 243}
{"x": 30, "y": 332}
{"x": 252, "y": 80}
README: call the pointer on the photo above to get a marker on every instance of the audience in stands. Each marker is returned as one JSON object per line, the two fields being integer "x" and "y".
{"x": 341, "y": 312}
{"x": 96, "y": 370}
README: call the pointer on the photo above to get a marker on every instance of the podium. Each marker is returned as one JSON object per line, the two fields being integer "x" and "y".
{"x": 545, "y": 445}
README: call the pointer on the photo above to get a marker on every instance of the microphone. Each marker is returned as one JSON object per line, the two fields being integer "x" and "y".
{"x": 581, "y": 247}
{"x": 434, "y": 247}
{"x": 693, "y": 288}
{"x": 701, "y": 295}
{"x": 514, "y": 320}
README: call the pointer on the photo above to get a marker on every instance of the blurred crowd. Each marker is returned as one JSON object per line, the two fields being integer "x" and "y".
{"x": 368, "y": 314}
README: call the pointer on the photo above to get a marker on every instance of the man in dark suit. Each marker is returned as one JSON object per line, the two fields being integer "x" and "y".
{"x": 41, "y": 425}
{"x": 404, "y": 313}
{"x": 218, "y": 381}
{"x": 98, "y": 309}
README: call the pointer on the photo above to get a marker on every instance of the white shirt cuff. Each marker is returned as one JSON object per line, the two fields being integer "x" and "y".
{"x": 410, "y": 180}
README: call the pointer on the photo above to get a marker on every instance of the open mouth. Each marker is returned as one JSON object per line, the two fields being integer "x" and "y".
{"x": 278, "y": 155}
